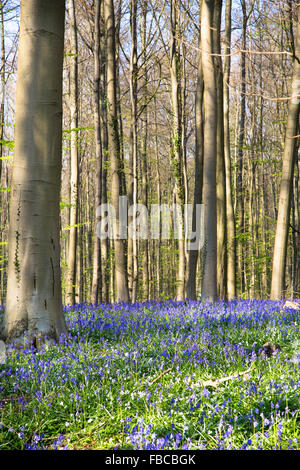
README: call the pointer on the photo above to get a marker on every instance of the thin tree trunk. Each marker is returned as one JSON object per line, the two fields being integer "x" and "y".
{"x": 176, "y": 148}
{"x": 114, "y": 152}
{"x": 133, "y": 101}
{"x": 2, "y": 117}
{"x": 96, "y": 281}
{"x": 194, "y": 254}
{"x": 2, "y": 85}
{"x": 34, "y": 296}
{"x": 230, "y": 218}
{"x": 73, "y": 104}
{"x": 158, "y": 191}
{"x": 105, "y": 243}
{"x": 278, "y": 288}
{"x": 240, "y": 156}
{"x": 209, "y": 285}
{"x": 221, "y": 181}
{"x": 144, "y": 186}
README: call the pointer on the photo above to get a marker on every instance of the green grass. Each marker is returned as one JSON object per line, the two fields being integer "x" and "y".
{"x": 107, "y": 384}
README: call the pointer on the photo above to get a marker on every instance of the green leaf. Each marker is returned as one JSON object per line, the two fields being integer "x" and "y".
{"x": 64, "y": 204}
{"x": 68, "y": 227}
{"x": 7, "y": 143}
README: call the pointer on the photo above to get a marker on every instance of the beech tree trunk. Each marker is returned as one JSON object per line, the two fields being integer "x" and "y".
{"x": 2, "y": 88}
{"x": 209, "y": 282}
{"x": 2, "y": 117}
{"x": 121, "y": 282}
{"x": 194, "y": 254}
{"x": 133, "y": 102}
{"x": 230, "y": 226}
{"x": 221, "y": 184}
{"x": 34, "y": 298}
{"x": 73, "y": 105}
{"x": 240, "y": 154}
{"x": 278, "y": 288}
{"x": 177, "y": 154}
{"x": 96, "y": 280}
{"x": 144, "y": 153}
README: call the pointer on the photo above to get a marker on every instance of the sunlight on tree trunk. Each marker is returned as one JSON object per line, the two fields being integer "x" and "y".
{"x": 278, "y": 288}
{"x": 34, "y": 298}
{"x": 209, "y": 285}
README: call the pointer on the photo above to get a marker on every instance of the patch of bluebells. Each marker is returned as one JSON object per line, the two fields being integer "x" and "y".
{"x": 113, "y": 352}
{"x": 38, "y": 443}
{"x": 142, "y": 437}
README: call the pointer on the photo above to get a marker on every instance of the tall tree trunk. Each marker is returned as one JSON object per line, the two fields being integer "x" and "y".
{"x": 34, "y": 297}
{"x": 194, "y": 253}
{"x": 2, "y": 88}
{"x": 73, "y": 104}
{"x": 176, "y": 149}
{"x": 105, "y": 243}
{"x": 231, "y": 245}
{"x": 144, "y": 185}
{"x": 221, "y": 182}
{"x": 209, "y": 284}
{"x": 114, "y": 152}
{"x": 240, "y": 155}
{"x": 2, "y": 117}
{"x": 278, "y": 288}
{"x": 96, "y": 281}
{"x": 158, "y": 191}
{"x": 133, "y": 102}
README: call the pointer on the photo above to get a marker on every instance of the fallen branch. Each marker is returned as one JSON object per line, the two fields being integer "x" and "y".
{"x": 164, "y": 372}
{"x": 206, "y": 383}
{"x": 215, "y": 383}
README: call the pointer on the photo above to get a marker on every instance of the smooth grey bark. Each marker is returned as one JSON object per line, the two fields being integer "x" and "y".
{"x": 34, "y": 297}
{"x": 220, "y": 177}
{"x": 134, "y": 143}
{"x": 121, "y": 282}
{"x": 176, "y": 148}
{"x": 2, "y": 117}
{"x": 73, "y": 106}
{"x": 105, "y": 243}
{"x": 230, "y": 226}
{"x": 209, "y": 281}
{"x": 194, "y": 254}
{"x": 144, "y": 148}
{"x": 278, "y": 288}
{"x": 2, "y": 87}
{"x": 158, "y": 192}
{"x": 240, "y": 153}
{"x": 96, "y": 279}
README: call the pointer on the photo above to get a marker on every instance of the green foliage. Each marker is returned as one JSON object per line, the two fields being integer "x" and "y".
{"x": 150, "y": 364}
{"x": 9, "y": 144}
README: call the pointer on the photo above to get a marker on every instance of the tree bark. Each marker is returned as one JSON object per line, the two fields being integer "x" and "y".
{"x": 2, "y": 117}
{"x": 231, "y": 244}
{"x": 96, "y": 281}
{"x": 278, "y": 288}
{"x": 2, "y": 88}
{"x": 176, "y": 149}
{"x": 34, "y": 297}
{"x": 144, "y": 147}
{"x": 220, "y": 178}
{"x": 240, "y": 153}
{"x": 194, "y": 254}
{"x": 73, "y": 105}
{"x": 114, "y": 152}
{"x": 209, "y": 282}
{"x": 133, "y": 102}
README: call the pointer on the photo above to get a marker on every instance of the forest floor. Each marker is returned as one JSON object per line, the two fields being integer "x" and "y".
{"x": 158, "y": 375}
